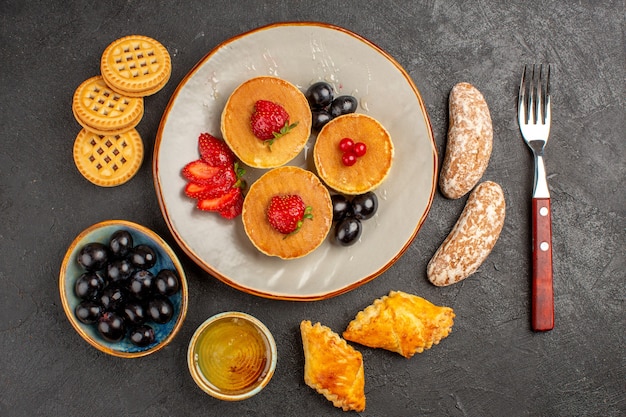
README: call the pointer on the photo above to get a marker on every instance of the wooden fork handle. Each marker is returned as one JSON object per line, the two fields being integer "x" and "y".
{"x": 542, "y": 291}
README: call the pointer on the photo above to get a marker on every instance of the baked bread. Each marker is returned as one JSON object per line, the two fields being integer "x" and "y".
{"x": 470, "y": 141}
{"x": 287, "y": 180}
{"x": 236, "y": 122}
{"x": 472, "y": 238}
{"x": 332, "y": 367}
{"x": 370, "y": 170}
{"x": 402, "y": 323}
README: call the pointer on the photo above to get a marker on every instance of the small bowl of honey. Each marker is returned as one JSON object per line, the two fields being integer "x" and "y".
{"x": 232, "y": 356}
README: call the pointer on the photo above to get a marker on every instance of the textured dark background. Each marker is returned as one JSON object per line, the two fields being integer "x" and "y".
{"x": 491, "y": 365}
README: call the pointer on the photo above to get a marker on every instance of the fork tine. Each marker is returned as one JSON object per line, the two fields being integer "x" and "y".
{"x": 534, "y": 95}
{"x": 547, "y": 101}
{"x": 521, "y": 99}
{"x": 531, "y": 117}
{"x": 539, "y": 96}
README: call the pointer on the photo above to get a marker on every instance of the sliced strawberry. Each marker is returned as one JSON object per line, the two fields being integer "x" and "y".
{"x": 233, "y": 209}
{"x": 204, "y": 191}
{"x": 225, "y": 179}
{"x": 214, "y": 151}
{"x": 199, "y": 172}
{"x": 195, "y": 190}
{"x": 221, "y": 202}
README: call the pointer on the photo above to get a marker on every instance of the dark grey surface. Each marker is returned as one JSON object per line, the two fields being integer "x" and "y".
{"x": 491, "y": 365}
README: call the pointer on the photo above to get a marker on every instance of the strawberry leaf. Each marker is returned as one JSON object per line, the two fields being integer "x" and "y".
{"x": 282, "y": 132}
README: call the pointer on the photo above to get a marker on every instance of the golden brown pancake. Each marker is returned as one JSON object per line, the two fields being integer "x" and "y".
{"x": 239, "y": 108}
{"x": 370, "y": 170}
{"x": 287, "y": 180}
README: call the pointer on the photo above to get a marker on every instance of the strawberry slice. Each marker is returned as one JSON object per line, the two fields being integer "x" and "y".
{"x": 219, "y": 203}
{"x": 211, "y": 187}
{"x": 200, "y": 191}
{"x": 224, "y": 179}
{"x": 214, "y": 151}
{"x": 234, "y": 208}
{"x": 199, "y": 172}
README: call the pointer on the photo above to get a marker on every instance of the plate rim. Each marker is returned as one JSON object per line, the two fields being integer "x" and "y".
{"x": 214, "y": 272}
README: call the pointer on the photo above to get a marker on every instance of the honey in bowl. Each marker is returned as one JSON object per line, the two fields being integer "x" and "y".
{"x": 232, "y": 356}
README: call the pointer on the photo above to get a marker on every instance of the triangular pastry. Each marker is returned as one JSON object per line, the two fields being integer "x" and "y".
{"x": 402, "y": 323}
{"x": 332, "y": 367}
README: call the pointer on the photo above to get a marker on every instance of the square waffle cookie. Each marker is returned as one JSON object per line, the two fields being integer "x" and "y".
{"x": 108, "y": 160}
{"x": 103, "y": 111}
{"x": 136, "y": 66}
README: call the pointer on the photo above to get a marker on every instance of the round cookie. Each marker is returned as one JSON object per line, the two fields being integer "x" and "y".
{"x": 370, "y": 170}
{"x": 136, "y": 66}
{"x": 108, "y": 160}
{"x": 237, "y": 131}
{"x": 98, "y": 108}
{"x": 287, "y": 180}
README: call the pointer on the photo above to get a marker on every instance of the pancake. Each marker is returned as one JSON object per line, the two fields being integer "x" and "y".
{"x": 370, "y": 170}
{"x": 237, "y": 131}
{"x": 287, "y": 180}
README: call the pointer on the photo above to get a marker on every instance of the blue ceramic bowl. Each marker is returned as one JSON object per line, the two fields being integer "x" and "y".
{"x": 166, "y": 259}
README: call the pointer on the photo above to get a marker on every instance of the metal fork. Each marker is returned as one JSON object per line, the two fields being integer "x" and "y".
{"x": 534, "y": 121}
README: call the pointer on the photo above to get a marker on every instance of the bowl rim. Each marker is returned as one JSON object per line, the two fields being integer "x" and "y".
{"x": 69, "y": 311}
{"x": 199, "y": 379}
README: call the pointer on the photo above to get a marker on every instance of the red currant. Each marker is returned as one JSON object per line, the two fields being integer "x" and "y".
{"x": 348, "y": 158}
{"x": 346, "y": 144}
{"x": 360, "y": 149}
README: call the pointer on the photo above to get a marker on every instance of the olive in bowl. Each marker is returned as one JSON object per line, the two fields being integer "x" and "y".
{"x": 112, "y": 310}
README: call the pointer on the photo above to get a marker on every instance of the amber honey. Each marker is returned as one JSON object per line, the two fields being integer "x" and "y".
{"x": 232, "y": 355}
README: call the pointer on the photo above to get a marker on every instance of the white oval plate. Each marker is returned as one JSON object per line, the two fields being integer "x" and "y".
{"x": 301, "y": 53}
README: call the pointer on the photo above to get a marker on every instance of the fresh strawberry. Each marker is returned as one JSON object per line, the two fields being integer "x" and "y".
{"x": 221, "y": 202}
{"x": 270, "y": 121}
{"x": 234, "y": 208}
{"x": 224, "y": 179}
{"x": 198, "y": 191}
{"x": 214, "y": 151}
{"x": 217, "y": 185}
{"x": 199, "y": 172}
{"x": 286, "y": 213}
{"x": 215, "y": 180}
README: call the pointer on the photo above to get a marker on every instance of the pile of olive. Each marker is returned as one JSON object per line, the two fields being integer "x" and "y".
{"x": 325, "y": 106}
{"x": 348, "y": 215}
{"x": 119, "y": 293}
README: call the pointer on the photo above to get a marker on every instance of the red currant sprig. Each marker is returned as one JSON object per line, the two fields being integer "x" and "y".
{"x": 351, "y": 151}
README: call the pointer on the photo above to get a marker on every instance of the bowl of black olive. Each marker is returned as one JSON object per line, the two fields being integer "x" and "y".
{"x": 123, "y": 289}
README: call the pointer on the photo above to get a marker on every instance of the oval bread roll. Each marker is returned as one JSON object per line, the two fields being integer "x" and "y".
{"x": 470, "y": 139}
{"x": 472, "y": 238}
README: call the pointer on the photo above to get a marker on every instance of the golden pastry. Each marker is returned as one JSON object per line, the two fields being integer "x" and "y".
{"x": 332, "y": 367}
{"x": 402, "y": 323}
{"x": 369, "y": 170}
{"x": 237, "y": 116}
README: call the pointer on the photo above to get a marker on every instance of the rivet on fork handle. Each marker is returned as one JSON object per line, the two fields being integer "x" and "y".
{"x": 542, "y": 292}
